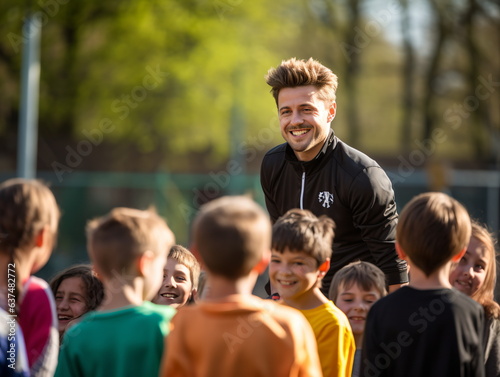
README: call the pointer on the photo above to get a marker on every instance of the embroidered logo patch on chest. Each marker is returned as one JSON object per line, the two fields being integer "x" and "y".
{"x": 325, "y": 198}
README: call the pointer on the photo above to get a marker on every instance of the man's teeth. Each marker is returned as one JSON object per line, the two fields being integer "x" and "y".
{"x": 287, "y": 282}
{"x": 298, "y": 133}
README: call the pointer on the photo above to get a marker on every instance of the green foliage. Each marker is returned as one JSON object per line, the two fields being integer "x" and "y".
{"x": 176, "y": 79}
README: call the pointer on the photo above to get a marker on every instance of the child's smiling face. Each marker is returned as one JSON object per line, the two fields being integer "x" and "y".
{"x": 293, "y": 274}
{"x": 71, "y": 301}
{"x": 470, "y": 272}
{"x": 177, "y": 286}
{"x": 355, "y": 302}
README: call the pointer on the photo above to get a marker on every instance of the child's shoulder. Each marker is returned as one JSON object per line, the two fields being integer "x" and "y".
{"x": 146, "y": 316}
{"x": 409, "y": 298}
{"x": 36, "y": 287}
{"x": 148, "y": 308}
{"x": 327, "y": 314}
{"x": 37, "y": 301}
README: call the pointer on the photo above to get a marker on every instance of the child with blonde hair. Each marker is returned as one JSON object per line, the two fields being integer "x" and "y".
{"x": 180, "y": 279}
{"x": 475, "y": 275}
{"x": 28, "y": 232}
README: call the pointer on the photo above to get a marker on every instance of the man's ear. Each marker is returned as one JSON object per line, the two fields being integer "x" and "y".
{"x": 400, "y": 252}
{"x": 324, "y": 267}
{"x": 456, "y": 258}
{"x": 332, "y": 111}
{"x": 261, "y": 266}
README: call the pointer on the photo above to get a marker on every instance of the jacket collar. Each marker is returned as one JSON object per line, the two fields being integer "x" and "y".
{"x": 307, "y": 166}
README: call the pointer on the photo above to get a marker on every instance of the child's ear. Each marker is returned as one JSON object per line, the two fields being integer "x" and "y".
{"x": 42, "y": 236}
{"x": 324, "y": 267}
{"x": 400, "y": 252}
{"x": 261, "y": 266}
{"x": 456, "y": 258}
{"x": 144, "y": 261}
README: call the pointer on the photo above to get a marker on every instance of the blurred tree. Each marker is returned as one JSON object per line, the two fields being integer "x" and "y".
{"x": 169, "y": 85}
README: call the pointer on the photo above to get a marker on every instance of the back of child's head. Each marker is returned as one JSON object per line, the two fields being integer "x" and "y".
{"x": 365, "y": 275}
{"x": 26, "y": 207}
{"x": 116, "y": 240}
{"x": 186, "y": 258}
{"x": 485, "y": 293}
{"x": 433, "y": 228}
{"x": 299, "y": 230}
{"x": 93, "y": 286}
{"x": 231, "y": 234}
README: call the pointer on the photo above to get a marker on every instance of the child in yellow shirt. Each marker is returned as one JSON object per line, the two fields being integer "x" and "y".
{"x": 301, "y": 249}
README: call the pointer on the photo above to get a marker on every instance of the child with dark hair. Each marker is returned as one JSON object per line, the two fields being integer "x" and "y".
{"x": 77, "y": 290}
{"x": 301, "y": 249}
{"x": 427, "y": 328}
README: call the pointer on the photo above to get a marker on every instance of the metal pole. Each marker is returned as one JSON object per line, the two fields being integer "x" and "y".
{"x": 28, "y": 110}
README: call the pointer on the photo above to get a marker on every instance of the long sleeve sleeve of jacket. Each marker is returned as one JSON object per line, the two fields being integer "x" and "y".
{"x": 371, "y": 199}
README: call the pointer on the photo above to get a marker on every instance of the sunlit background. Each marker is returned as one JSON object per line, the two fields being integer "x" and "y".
{"x": 164, "y": 103}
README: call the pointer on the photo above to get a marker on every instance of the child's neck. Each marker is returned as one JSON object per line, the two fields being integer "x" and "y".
{"x": 358, "y": 340}
{"x": 439, "y": 279}
{"x": 308, "y": 300}
{"x": 119, "y": 293}
{"x": 221, "y": 287}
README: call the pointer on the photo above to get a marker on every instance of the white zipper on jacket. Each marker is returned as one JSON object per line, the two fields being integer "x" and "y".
{"x": 302, "y": 190}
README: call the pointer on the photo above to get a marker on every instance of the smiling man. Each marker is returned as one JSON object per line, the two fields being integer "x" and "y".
{"x": 315, "y": 170}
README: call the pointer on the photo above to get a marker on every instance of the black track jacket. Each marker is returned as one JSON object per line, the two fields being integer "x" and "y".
{"x": 349, "y": 187}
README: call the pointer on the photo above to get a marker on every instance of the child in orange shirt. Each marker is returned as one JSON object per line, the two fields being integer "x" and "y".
{"x": 231, "y": 332}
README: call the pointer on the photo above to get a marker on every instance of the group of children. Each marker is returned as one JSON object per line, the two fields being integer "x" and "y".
{"x": 142, "y": 307}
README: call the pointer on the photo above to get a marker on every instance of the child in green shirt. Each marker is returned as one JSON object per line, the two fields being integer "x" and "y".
{"x": 125, "y": 336}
